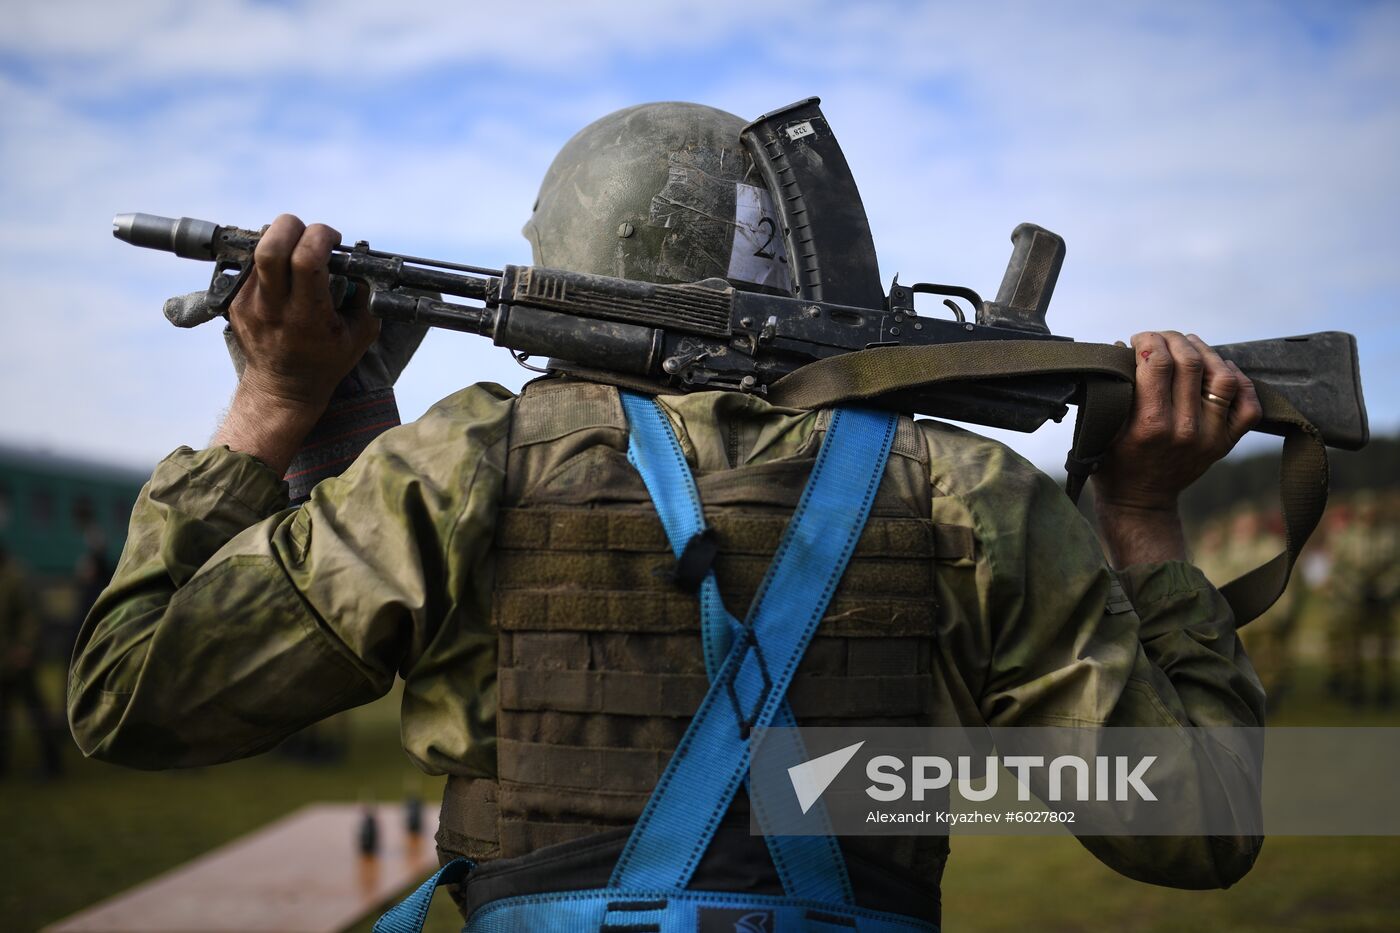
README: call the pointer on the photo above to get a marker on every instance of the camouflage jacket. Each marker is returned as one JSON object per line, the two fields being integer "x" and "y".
{"x": 233, "y": 621}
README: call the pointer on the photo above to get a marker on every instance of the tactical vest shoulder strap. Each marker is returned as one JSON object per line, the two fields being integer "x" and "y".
{"x": 550, "y": 408}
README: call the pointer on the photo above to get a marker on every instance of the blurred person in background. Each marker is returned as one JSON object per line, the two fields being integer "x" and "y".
{"x": 1363, "y": 590}
{"x": 91, "y": 576}
{"x": 19, "y": 650}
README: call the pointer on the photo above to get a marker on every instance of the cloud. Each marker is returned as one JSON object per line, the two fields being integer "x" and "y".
{"x": 1221, "y": 168}
{"x": 145, "y": 43}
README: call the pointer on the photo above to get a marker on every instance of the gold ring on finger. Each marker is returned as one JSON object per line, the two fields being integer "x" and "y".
{"x": 1214, "y": 399}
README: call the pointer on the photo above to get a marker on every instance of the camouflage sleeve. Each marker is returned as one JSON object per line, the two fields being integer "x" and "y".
{"x": 1053, "y": 637}
{"x": 233, "y": 621}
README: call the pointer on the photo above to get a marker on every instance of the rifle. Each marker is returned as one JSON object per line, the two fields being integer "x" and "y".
{"x": 838, "y": 338}
{"x": 709, "y": 335}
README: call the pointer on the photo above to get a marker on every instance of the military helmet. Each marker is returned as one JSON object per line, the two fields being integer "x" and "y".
{"x": 661, "y": 193}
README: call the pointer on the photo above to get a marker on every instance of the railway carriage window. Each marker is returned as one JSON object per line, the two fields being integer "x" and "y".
{"x": 6, "y": 500}
{"x": 41, "y": 508}
{"x": 84, "y": 513}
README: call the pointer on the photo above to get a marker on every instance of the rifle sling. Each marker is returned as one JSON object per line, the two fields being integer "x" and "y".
{"x": 1104, "y": 405}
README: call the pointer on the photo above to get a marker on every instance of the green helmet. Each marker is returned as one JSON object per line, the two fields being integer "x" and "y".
{"x": 659, "y": 193}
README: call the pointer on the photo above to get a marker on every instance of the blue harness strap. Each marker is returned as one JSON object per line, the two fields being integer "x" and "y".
{"x": 610, "y": 911}
{"x": 809, "y": 867}
{"x": 408, "y": 915}
{"x": 711, "y": 759}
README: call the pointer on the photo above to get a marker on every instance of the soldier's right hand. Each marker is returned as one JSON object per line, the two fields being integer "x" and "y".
{"x": 295, "y": 344}
{"x": 1190, "y": 408}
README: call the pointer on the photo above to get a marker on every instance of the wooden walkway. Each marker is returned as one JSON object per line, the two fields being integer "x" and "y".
{"x": 301, "y": 874}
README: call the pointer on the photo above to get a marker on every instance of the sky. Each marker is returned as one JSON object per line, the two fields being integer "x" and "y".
{"x": 1224, "y": 168}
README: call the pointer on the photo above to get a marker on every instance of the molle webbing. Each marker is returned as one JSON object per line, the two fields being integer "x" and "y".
{"x": 601, "y": 663}
{"x": 608, "y": 570}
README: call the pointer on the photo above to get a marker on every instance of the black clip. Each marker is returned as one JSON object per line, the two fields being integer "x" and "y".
{"x": 696, "y": 560}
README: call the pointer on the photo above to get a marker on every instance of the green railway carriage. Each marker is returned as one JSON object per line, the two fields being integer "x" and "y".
{"x": 55, "y": 509}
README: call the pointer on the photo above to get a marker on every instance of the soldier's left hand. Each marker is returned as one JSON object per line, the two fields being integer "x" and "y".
{"x": 1190, "y": 408}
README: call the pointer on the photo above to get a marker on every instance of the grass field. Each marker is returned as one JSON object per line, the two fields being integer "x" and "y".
{"x": 102, "y": 829}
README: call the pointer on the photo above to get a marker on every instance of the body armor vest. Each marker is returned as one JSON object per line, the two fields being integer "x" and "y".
{"x": 600, "y": 660}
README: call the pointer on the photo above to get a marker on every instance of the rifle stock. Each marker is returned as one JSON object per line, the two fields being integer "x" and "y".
{"x": 1318, "y": 373}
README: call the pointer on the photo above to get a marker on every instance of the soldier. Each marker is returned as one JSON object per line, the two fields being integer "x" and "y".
{"x": 504, "y": 556}
{"x": 91, "y": 576}
{"x": 19, "y": 644}
{"x": 1364, "y": 586}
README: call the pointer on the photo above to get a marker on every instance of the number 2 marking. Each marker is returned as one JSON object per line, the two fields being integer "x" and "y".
{"x": 763, "y": 252}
